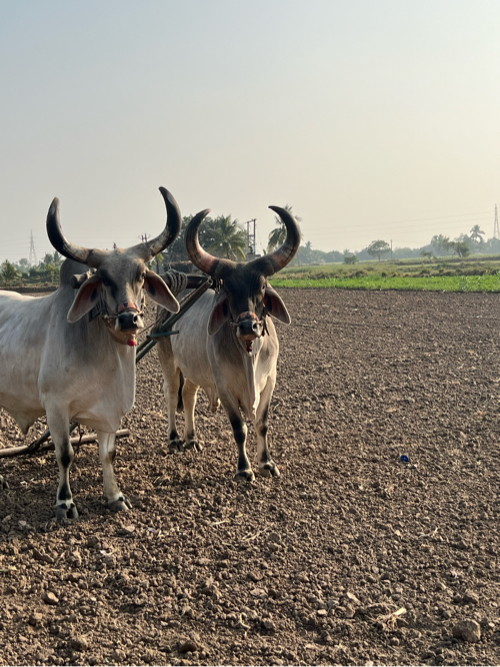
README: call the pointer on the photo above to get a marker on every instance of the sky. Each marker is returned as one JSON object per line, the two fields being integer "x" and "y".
{"x": 373, "y": 119}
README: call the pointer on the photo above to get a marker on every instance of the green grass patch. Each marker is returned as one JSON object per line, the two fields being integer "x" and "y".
{"x": 447, "y": 274}
{"x": 439, "y": 283}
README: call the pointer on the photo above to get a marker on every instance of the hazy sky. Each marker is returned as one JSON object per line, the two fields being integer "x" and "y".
{"x": 373, "y": 119}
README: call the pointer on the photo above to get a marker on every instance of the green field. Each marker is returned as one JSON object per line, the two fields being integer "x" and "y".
{"x": 451, "y": 275}
{"x": 448, "y": 274}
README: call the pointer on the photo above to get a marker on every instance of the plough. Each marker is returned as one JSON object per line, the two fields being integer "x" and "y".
{"x": 163, "y": 327}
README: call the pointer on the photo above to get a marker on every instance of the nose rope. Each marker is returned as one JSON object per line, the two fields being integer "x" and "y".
{"x": 101, "y": 310}
{"x": 249, "y": 315}
{"x": 245, "y": 316}
{"x": 121, "y": 336}
{"x": 128, "y": 306}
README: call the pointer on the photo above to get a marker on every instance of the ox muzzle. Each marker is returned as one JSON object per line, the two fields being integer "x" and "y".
{"x": 248, "y": 327}
{"x": 125, "y": 322}
{"x": 129, "y": 317}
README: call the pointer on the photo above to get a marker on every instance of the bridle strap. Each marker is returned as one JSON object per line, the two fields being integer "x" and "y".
{"x": 128, "y": 306}
{"x": 248, "y": 315}
{"x": 245, "y": 316}
{"x": 101, "y": 310}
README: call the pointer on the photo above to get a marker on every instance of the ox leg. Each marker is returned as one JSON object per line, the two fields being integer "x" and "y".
{"x": 189, "y": 395}
{"x": 59, "y": 428}
{"x": 244, "y": 472}
{"x": 171, "y": 376}
{"x": 107, "y": 451}
{"x": 267, "y": 467}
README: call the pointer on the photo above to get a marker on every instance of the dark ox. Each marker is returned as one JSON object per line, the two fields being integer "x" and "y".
{"x": 227, "y": 344}
{"x": 56, "y": 361}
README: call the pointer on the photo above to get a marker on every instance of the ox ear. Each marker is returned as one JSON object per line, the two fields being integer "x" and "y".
{"x": 85, "y": 299}
{"x": 219, "y": 315}
{"x": 275, "y": 306}
{"x": 159, "y": 292}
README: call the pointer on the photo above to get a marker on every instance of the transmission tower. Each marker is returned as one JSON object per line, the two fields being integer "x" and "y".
{"x": 251, "y": 239}
{"x": 33, "y": 260}
{"x": 496, "y": 230}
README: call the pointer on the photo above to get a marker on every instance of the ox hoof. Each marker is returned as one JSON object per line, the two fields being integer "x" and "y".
{"x": 63, "y": 512}
{"x": 269, "y": 469}
{"x": 120, "y": 505}
{"x": 175, "y": 446}
{"x": 244, "y": 476}
{"x": 3, "y": 483}
{"x": 193, "y": 444}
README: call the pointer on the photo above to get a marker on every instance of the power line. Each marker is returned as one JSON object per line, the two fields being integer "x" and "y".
{"x": 325, "y": 231}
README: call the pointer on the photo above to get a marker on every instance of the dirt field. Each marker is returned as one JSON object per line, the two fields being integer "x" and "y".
{"x": 314, "y": 567}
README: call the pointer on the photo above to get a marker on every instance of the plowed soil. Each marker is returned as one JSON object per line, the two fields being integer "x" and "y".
{"x": 376, "y": 544}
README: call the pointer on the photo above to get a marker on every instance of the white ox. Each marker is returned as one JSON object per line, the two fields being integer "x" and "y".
{"x": 227, "y": 344}
{"x": 56, "y": 361}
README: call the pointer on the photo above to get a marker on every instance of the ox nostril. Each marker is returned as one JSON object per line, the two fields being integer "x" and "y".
{"x": 128, "y": 321}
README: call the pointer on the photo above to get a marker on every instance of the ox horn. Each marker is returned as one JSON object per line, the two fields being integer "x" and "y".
{"x": 65, "y": 247}
{"x": 200, "y": 258}
{"x": 277, "y": 260}
{"x": 92, "y": 257}
{"x": 172, "y": 228}
{"x": 267, "y": 265}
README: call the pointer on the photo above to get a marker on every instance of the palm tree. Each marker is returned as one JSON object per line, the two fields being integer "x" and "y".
{"x": 229, "y": 239}
{"x": 8, "y": 272}
{"x": 476, "y": 233}
{"x": 278, "y": 235}
{"x": 441, "y": 242}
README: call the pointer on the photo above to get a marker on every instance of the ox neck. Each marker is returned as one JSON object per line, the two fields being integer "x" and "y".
{"x": 250, "y": 362}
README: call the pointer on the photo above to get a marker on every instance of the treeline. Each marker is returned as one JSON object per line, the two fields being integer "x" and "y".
{"x": 46, "y": 271}
{"x": 225, "y": 237}
{"x": 439, "y": 246}
{"x": 222, "y": 236}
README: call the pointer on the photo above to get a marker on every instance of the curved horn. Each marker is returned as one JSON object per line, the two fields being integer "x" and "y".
{"x": 60, "y": 242}
{"x": 277, "y": 260}
{"x": 200, "y": 258}
{"x": 172, "y": 228}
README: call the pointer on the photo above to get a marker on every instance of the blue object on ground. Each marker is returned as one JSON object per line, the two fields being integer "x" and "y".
{"x": 404, "y": 459}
